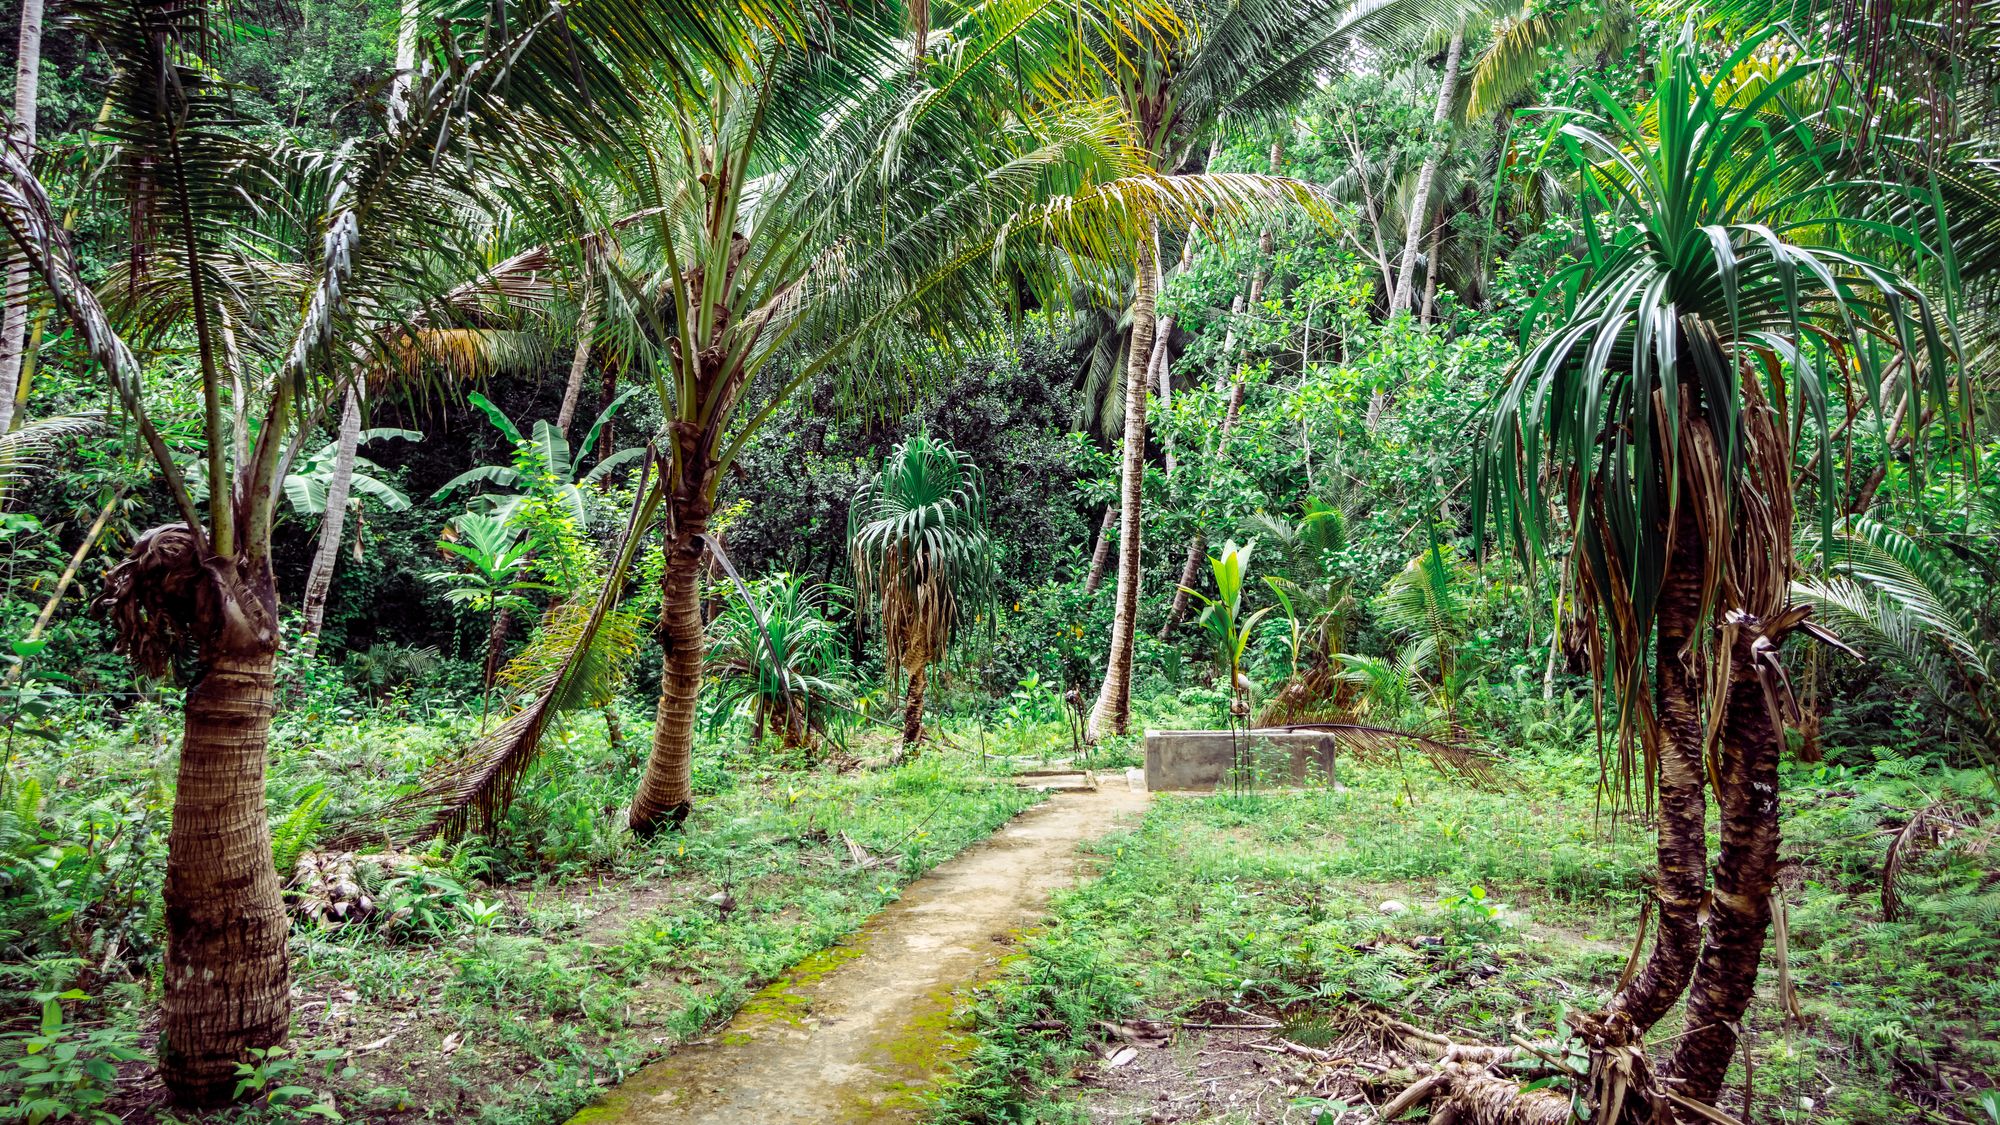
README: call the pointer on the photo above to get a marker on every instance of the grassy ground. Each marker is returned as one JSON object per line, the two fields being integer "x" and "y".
{"x": 1480, "y": 915}
{"x": 504, "y": 980}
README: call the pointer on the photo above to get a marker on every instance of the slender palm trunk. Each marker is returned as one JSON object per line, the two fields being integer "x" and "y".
{"x": 666, "y": 792}
{"x": 228, "y": 978}
{"x": 14, "y": 321}
{"x": 913, "y": 702}
{"x": 1113, "y": 710}
{"x": 1420, "y": 202}
{"x": 1100, "y": 558}
{"x": 333, "y": 522}
{"x": 579, "y": 363}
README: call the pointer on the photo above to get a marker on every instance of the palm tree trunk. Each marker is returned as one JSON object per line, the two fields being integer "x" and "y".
{"x": 14, "y": 321}
{"x": 333, "y": 522}
{"x": 496, "y": 643}
{"x": 1100, "y": 558}
{"x": 1420, "y": 202}
{"x": 228, "y": 978}
{"x": 1682, "y": 844}
{"x": 913, "y": 703}
{"x": 1259, "y": 276}
{"x": 666, "y": 792}
{"x": 579, "y": 363}
{"x": 1113, "y": 710}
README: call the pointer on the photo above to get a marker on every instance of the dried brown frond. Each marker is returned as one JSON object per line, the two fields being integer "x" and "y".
{"x": 1447, "y": 750}
{"x": 154, "y": 598}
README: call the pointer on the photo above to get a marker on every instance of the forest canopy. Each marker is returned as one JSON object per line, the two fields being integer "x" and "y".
{"x": 457, "y": 456}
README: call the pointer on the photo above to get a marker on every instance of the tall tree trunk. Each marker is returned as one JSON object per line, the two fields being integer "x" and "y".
{"x": 333, "y": 522}
{"x": 1100, "y": 558}
{"x": 606, "y": 438}
{"x": 579, "y": 362}
{"x": 1682, "y": 841}
{"x": 14, "y": 321}
{"x": 227, "y": 977}
{"x": 666, "y": 792}
{"x": 496, "y": 644}
{"x": 1420, "y": 202}
{"x": 406, "y": 61}
{"x": 1113, "y": 710}
{"x": 1746, "y": 870}
{"x": 1431, "y": 272}
{"x": 1260, "y": 275}
{"x": 913, "y": 700}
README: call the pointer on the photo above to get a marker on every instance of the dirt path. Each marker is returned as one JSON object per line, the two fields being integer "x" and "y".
{"x": 856, "y": 1032}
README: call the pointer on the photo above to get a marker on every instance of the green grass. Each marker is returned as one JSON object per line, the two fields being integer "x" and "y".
{"x": 539, "y": 966}
{"x": 1522, "y": 904}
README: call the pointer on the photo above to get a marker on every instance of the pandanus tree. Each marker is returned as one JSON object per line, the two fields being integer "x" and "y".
{"x": 285, "y": 271}
{"x": 777, "y": 649}
{"x": 922, "y": 560}
{"x": 1672, "y": 406}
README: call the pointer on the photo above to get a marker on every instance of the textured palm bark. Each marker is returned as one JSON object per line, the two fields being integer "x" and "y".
{"x": 1100, "y": 559}
{"x": 333, "y": 522}
{"x": 1420, "y": 200}
{"x": 227, "y": 976}
{"x": 1746, "y": 870}
{"x": 666, "y": 792}
{"x": 1113, "y": 710}
{"x": 913, "y": 705}
{"x": 1682, "y": 845}
{"x": 579, "y": 362}
{"x": 14, "y": 320}
{"x": 496, "y": 644}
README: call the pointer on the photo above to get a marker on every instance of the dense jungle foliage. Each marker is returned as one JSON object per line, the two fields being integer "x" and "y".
{"x": 520, "y": 521}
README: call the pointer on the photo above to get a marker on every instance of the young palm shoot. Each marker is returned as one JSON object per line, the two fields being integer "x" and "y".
{"x": 922, "y": 559}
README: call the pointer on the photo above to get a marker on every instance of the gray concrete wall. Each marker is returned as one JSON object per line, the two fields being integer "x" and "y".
{"x": 1200, "y": 760}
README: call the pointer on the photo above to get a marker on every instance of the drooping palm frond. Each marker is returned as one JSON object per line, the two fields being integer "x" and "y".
{"x": 1379, "y": 745}
{"x": 24, "y": 451}
{"x": 1896, "y": 596}
{"x": 1724, "y": 294}
{"x": 572, "y": 670}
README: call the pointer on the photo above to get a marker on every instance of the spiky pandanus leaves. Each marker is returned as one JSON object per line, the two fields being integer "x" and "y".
{"x": 1675, "y": 378}
{"x": 777, "y": 649}
{"x": 1721, "y": 278}
{"x": 922, "y": 558}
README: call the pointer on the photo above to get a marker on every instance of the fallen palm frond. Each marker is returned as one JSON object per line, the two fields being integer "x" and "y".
{"x": 564, "y": 674}
{"x": 1377, "y": 745}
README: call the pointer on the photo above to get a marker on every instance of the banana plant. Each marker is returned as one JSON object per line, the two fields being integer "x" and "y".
{"x": 545, "y": 447}
{"x": 306, "y": 486}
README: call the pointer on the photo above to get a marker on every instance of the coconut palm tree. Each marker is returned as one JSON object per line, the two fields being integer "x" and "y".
{"x": 922, "y": 559}
{"x": 307, "y": 260}
{"x": 1677, "y": 389}
{"x": 829, "y": 202}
